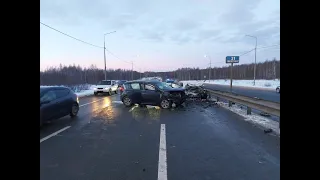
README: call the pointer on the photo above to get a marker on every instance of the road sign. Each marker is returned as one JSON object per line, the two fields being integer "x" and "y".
{"x": 232, "y": 59}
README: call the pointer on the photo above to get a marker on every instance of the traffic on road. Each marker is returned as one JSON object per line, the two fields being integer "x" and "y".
{"x": 197, "y": 140}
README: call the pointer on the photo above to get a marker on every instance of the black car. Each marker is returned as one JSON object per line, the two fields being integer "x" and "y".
{"x": 151, "y": 93}
{"x": 56, "y": 102}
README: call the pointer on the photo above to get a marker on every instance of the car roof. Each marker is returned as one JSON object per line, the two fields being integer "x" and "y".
{"x": 143, "y": 81}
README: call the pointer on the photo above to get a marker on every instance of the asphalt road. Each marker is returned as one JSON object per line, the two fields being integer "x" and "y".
{"x": 110, "y": 142}
{"x": 270, "y": 95}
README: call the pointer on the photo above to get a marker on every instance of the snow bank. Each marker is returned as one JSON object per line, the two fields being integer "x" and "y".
{"x": 88, "y": 92}
{"x": 85, "y": 93}
{"x": 260, "y": 83}
{"x": 254, "y": 118}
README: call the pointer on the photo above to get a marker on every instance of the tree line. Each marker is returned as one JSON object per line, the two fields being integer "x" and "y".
{"x": 74, "y": 75}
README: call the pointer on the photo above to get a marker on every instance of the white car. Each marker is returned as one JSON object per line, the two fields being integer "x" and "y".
{"x": 278, "y": 89}
{"x": 106, "y": 86}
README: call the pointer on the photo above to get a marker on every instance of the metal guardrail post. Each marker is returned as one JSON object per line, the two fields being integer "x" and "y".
{"x": 230, "y": 103}
{"x": 217, "y": 99}
{"x": 248, "y": 110}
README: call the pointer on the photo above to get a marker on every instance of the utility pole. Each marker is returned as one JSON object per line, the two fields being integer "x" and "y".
{"x": 132, "y": 70}
{"x": 255, "y": 63}
{"x": 255, "y": 59}
{"x": 274, "y": 69}
{"x": 104, "y": 53}
{"x": 210, "y": 70}
{"x": 140, "y": 73}
{"x": 231, "y": 78}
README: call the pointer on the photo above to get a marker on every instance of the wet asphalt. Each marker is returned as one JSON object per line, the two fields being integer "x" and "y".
{"x": 266, "y": 94}
{"x": 108, "y": 141}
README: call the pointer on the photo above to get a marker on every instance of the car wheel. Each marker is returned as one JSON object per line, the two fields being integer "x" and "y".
{"x": 127, "y": 101}
{"x": 95, "y": 93}
{"x": 110, "y": 92}
{"x": 278, "y": 90}
{"x": 165, "y": 104}
{"x": 74, "y": 110}
{"x": 116, "y": 91}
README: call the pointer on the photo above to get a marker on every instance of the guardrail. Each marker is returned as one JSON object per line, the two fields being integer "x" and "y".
{"x": 255, "y": 103}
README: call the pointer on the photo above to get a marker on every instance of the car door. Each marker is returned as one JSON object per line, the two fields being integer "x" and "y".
{"x": 150, "y": 94}
{"x": 63, "y": 101}
{"x": 49, "y": 109}
{"x": 135, "y": 92}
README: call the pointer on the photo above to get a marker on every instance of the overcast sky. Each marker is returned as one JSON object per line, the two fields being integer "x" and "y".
{"x": 158, "y": 35}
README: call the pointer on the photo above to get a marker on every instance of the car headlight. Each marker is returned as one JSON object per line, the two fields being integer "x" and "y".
{"x": 94, "y": 88}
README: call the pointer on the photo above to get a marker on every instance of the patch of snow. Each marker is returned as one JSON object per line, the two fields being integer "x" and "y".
{"x": 253, "y": 118}
{"x": 85, "y": 93}
{"x": 260, "y": 83}
{"x": 192, "y": 82}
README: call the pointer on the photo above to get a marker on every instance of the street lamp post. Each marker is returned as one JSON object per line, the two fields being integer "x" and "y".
{"x": 255, "y": 59}
{"x": 104, "y": 53}
{"x": 209, "y": 66}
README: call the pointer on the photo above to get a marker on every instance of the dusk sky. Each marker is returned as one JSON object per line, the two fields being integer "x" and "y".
{"x": 158, "y": 35}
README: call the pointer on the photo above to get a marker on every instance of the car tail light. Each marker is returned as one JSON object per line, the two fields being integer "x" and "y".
{"x": 121, "y": 88}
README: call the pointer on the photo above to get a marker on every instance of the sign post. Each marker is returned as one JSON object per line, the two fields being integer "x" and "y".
{"x": 232, "y": 59}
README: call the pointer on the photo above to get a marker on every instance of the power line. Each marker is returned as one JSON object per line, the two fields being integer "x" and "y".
{"x": 268, "y": 46}
{"x": 260, "y": 48}
{"x": 84, "y": 42}
{"x": 70, "y": 36}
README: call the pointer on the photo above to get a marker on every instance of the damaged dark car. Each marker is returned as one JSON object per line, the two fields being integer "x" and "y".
{"x": 196, "y": 92}
{"x": 154, "y": 93}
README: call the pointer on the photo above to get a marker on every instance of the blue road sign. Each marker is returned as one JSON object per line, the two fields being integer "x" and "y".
{"x": 232, "y": 59}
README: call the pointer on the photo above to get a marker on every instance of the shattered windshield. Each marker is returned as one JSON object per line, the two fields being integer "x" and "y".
{"x": 162, "y": 85}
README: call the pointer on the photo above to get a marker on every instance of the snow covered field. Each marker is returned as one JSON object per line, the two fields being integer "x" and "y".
{"x": 260, "y": 83}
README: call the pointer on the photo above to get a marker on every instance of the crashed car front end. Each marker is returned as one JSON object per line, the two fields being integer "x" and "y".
{"x": 176, "y": 97}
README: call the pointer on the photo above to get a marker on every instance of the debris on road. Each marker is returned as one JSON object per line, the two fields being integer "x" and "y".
{"x": 267, "y": 131}
{"x": 265, "y": 114}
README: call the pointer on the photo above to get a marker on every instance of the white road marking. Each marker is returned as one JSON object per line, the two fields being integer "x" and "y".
{"x": 91, "y": 102}
{"x": 54, "y": 134}
{"x": 117, "y": 102}
{"x": 162, "y": 165}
